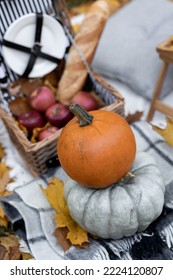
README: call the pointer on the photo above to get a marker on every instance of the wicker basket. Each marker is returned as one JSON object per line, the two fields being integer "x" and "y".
{"x": 39, "y": 156}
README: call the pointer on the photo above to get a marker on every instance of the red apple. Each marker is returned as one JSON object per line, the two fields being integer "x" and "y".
{"x": 41, "y": 98}
{"x": 31, "y": 119}
{"x": 85, "y": 100}
{"x": 47, "y": 132}
{"x": 58, "y": 114}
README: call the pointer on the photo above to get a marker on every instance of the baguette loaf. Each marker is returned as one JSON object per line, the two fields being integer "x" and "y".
{"x": 87, "y": 38}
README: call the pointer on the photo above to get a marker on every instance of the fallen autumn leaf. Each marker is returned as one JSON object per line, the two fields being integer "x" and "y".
{"x": 167, "y": 132}
{"x": 71, "y": 230}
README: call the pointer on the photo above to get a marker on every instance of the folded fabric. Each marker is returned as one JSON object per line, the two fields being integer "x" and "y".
{"x": 127, "y": 48}
{"x": 28, "y": 203}
{"x": 33, "y": 218}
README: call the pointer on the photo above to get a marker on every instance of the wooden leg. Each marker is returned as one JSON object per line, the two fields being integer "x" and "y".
{"x": 157, "y": 91}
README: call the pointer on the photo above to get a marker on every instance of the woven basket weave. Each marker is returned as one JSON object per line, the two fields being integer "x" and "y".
{"x": 38, "y": 156}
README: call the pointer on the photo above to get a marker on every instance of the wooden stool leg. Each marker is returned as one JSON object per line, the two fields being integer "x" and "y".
{"x": 157, "y": 91}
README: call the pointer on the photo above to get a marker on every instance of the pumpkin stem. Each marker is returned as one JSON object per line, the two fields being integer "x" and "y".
{"x": 83, "y": 116}
{"x": 127, "y": 178}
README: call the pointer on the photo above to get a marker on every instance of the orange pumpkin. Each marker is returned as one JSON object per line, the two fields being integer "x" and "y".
{"x": 96, "y": 149}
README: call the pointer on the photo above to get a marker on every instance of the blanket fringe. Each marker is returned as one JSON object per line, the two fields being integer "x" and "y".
{"x": 166, "y": 234}
{"x": 122, "y": 246}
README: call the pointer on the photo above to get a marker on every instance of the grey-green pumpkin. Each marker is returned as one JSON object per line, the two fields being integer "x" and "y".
{"x": 121, "y": 209}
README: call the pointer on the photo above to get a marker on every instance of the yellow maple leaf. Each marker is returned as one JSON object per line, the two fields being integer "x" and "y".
{"x": 2, "y": 214}
{"x": 76, "y": 234}
{"x": 2, "y": 153}
{"x": 76, "y": 27}
{"x": 4, "y": 180}
{"x": 3, "y": 222}
{"x": 167, "y": 132}
{"x": 55, "y": 195}
{"x": 3, "y": 168}
{"x": 4, "y": 177}
{"x": 3, "y": 218}
{"x": 26, "y": 256}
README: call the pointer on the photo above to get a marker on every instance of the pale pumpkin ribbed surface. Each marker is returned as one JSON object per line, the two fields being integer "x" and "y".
{"x": 121, "y": 209}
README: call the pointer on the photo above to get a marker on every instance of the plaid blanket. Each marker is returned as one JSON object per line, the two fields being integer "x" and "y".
{"x": 33, "y": 219}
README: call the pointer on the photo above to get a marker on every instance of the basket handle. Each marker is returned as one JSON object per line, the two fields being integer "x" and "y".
{"x": 64, "y": 15}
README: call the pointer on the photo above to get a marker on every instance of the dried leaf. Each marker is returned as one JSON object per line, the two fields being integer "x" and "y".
{"x": 61, "y": 236}
{"x": 36, "y": 131}
{"x": 9, "y": 248}
{"x": 24, "y": 85}
{"x": 76, "y": 234}
{"x": 3, "y": 221}
{"x": 80, "y": 9}
{"x": 23, "y": 128}
{"x": 4, "y": 180}
{"x": 26, "y": 256}
{"x": 3, "y": 252}
{"x": 76, "y": 28}
{"x": 55, "y": 194}
{"x": 167, "y": 132}
{"x": 14, "y": 253}
{"x": 5, "y": 231}
{"x": 3, "y": 168}
{"x": 19, "y": 105}
{"x": 4, "y": 177}
{"x": 2, "y": 153}
{"x": 84, "y": 7}
{"x": 131, "y": 118}
{"x": 3, "y": 218}
{"x": 53, "y": 78}
{"x": 49, "y": 85}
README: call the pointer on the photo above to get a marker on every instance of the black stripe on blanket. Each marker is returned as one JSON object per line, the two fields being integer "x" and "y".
{"x": 152, "y": 145}
{"x": 37, "y": 239}
{"x": 16, "y": 220}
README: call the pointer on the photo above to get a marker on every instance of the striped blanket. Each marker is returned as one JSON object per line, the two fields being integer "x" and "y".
{"x": 33, "y": 220}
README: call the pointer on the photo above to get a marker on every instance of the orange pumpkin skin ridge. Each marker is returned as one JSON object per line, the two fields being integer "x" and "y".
{"x": 99, "y": 154}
